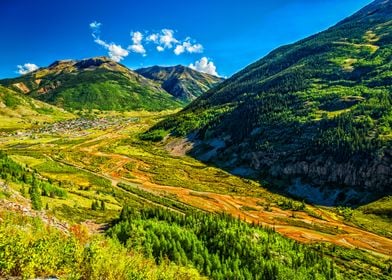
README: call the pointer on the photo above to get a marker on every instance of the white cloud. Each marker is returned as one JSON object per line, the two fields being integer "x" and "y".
{"x": 137, "y": 37}
{"x": 205, "y": 66}
{"x": 96, "y": 28}
{"x": 95, "y": 25}
{"x": 179, "y": 49}
{"x": 115, "y": 52}
{"x": 188, "y": 47}
{"x": 153, "y": 38}
{"x": 163, "y": 40}
{"x": 195, "y": 48}
{"x": 166, "y": 39}
{"x": 27, "y": 68}
{"x": 137, "y": 47}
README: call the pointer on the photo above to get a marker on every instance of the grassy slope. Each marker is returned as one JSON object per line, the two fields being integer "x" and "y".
{"x": 96, "y": 83}
{"x": 18, "y": 111}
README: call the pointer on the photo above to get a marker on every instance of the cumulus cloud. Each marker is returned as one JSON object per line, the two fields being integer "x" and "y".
{"x": 187, "y": 46}
{"x": 205, "y": 66}
{"x": 167, "y": 39}
{"x": 27, "y": 68}
{"x": 153, "y": 38}
{"x": 163, "y": 40}
{"x": 115, "y": 52}
{"x": 179, "y": 49}
{"x": 137, "y": 47}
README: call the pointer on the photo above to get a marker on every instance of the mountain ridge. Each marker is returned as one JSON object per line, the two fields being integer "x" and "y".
{"x": 318, "y": 110}
{"x": 182, "y": 82}
{"x": 93, "y": 83}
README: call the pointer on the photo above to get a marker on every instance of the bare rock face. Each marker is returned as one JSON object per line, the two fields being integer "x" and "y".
{"x": 92, "y": 62}
{"x": 373, "y": 175}
{"x": 369, "y": 176}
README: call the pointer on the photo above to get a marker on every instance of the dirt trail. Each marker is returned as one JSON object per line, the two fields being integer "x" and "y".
{"x": 301, "y": 226}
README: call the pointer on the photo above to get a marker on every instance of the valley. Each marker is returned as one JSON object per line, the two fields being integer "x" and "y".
{"x": 103, "y": 159}
{"x": 158, "y": 161}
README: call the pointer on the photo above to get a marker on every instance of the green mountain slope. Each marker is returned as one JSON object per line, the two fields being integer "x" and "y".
{"x": 319, "y": 110}
{"x": 182, "y": 82}
{"x": 96, "y": 83}
{"x": 19, "y": 111}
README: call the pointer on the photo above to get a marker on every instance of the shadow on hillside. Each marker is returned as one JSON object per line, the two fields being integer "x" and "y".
{"x": 295, "y": 187}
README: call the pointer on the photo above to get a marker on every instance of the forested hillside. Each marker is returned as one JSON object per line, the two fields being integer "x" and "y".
{"x": 319, "y": 110}
{"x": 223, "y": 247}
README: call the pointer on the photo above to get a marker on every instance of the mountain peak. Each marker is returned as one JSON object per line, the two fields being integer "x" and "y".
{"x": 83, "y": 63}
{"x": 93, "y": 83}
{"x": 62, "y": 61}
{"x": 181, "y": 81}
{"x": 94, "y": 62}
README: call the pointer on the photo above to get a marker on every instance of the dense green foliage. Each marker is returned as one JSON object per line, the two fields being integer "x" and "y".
{"x": 30, "y": 249}
{"x": 182, "y": 82}
{"x": 326, "y": 98}
{"x": 220, "y": 246}
{"x": 95, "y": 84}
{"x": 11, "y": 100}
{"x": 12, "y": 171}
{"x": 154, "y": 135}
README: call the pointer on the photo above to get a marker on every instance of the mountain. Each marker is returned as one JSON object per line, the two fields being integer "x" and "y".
{"x": 316, "y": 114}
{"x": 182, "y": 82}
{"x": 20, "y": 111}
{"x": 95, "y": 83}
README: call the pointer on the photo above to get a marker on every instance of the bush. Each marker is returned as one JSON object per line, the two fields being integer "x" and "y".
{"x": 154, "y": 135}
{"x": 30, "y": 249}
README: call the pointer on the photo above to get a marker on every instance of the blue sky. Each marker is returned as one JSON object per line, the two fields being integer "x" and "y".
{"x": 228, "y": 34}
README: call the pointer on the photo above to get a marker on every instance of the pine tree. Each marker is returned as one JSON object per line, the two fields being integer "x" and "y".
{"x": 94, "y": 206}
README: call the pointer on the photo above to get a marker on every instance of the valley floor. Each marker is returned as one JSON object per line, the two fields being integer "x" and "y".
{"x": 109, "y": 163}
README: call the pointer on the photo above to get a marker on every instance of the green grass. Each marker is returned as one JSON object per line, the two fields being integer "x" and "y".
{"x": 376, "y": 216}
{"x": 30, "y": 249}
